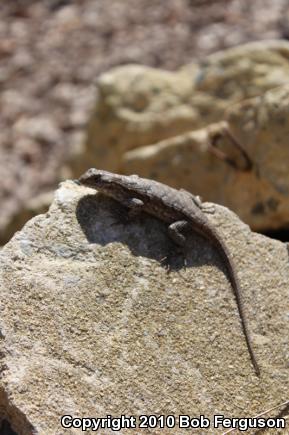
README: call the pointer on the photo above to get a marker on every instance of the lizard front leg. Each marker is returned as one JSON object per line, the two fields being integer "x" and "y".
{"x": 133, "y": 208}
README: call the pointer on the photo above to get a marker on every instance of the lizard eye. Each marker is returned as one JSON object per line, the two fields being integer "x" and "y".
{"x": 90, "y": 177}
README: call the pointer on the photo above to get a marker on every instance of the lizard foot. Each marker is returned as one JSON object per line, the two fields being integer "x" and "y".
{"x": 209, "y": 209}
{"x": 169, "y": 261}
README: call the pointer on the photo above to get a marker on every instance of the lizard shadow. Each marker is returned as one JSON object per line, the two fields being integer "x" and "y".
{"x": 104, "y": 220}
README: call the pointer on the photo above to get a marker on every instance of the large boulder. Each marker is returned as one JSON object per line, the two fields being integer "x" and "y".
{"x": 241, "y": 163}
{"x": 137, "y": 105}
{"x": 93, "y": 325}
{"x": 217, "y": 127}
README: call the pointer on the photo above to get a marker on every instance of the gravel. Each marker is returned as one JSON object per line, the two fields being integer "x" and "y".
{"x": 52, "y": 51}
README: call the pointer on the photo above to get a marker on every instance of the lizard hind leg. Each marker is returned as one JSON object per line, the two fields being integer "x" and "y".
{"x": 209, "y": 209}
{"x": 176, "y": 232}
{"x": 197, "y": 200}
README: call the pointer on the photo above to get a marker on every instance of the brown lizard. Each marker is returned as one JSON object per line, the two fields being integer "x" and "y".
{"x": 178, "y": 208}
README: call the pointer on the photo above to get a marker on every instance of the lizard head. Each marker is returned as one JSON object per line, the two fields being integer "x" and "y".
{"x": 108, "y": 183}
{"x": 95, "y": 178}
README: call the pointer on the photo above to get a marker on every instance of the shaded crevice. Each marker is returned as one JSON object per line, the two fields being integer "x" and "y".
{"x": 12, "y": 420}
{"x": 5, "y": 428}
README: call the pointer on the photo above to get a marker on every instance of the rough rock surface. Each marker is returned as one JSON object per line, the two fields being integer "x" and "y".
{"x": 253, "y": 179}
{"x": 92, "y": 324}
{"x": 138, "y": 105}
{"x": 240, "y": 161}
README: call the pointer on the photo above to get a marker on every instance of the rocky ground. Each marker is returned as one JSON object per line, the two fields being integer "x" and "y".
{"x": 52, "y": 51}
{"x": 76, "y": 343}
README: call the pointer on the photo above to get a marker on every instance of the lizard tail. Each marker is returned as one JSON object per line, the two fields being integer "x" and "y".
{"x": 237, "y": 291}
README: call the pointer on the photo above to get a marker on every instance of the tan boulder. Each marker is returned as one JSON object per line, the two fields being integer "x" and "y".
{"x": 241, "y": 163}
{"x": 137, "y": 105}
{"x": 93, "y": 325}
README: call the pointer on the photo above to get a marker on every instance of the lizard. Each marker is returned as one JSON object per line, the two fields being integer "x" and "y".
{"x": 180, "y": 209}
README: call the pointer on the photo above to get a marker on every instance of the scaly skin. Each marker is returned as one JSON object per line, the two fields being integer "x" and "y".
{"x": 178, "y": 208}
